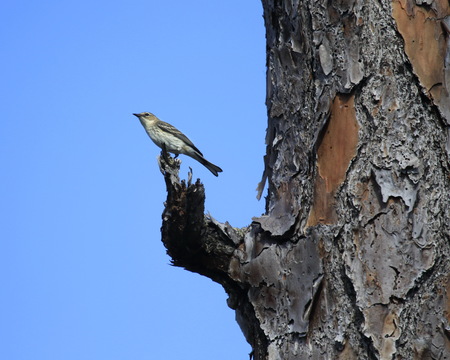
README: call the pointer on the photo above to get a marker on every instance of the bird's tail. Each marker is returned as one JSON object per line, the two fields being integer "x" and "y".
{"x": 210, "y": 166}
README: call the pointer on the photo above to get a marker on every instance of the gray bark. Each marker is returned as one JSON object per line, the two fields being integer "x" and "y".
{"x": 350, "y": 260}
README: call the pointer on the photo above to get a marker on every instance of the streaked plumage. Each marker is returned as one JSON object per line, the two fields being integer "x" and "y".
{"x": 175, "y": 141}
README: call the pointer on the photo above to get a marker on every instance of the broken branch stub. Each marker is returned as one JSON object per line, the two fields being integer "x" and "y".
{"x": 193, "y": 241}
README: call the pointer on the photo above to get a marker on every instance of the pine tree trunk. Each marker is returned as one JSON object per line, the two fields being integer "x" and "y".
{"x": 351, "y": 259}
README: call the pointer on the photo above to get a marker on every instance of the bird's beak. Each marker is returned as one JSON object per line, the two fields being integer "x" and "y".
{"x": 137, "y": 115}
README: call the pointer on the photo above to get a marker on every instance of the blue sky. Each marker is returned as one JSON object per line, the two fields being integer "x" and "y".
{"x": 83, "y": 272}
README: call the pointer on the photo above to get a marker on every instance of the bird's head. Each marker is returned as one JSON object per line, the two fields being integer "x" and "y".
{"x": 146, "y": 116}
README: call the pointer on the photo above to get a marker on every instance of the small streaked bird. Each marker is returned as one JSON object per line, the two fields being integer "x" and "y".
{"x": 173, "y": 139}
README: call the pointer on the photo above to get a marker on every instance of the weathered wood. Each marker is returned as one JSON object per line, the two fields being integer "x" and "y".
{"x": 351, "y": 258}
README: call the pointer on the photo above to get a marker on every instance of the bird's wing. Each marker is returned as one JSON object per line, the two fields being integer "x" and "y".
{"x": 177, "y": 133}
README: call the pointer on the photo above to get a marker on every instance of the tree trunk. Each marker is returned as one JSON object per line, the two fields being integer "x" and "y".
{"x": 351, "y": 259}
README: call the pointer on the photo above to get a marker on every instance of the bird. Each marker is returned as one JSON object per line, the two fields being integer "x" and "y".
{"x": 173, "y": 140}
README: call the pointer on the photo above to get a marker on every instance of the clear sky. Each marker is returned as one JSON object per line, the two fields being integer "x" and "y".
{"x": 83, "y": 272}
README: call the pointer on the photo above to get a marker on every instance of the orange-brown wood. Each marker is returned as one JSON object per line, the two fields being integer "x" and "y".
{"x": 336, "y": 150}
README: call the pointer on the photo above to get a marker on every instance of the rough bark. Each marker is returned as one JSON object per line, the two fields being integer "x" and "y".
{"x": 350, "y": 260}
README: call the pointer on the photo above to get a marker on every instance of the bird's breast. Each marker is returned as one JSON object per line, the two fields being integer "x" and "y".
{"x": 160, "y": 137}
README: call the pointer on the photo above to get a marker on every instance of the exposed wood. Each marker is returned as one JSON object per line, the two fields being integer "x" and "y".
{"x": 425, "y": 29}
{"x": 337, "y": 148}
